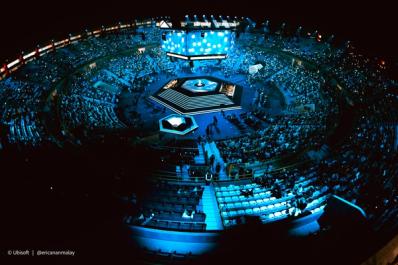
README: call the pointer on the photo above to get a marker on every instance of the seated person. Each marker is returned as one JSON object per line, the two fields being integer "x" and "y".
{"x": 141, "y": 217}
{"x": 247, "y": 193}
{"x": 188, "y": 214}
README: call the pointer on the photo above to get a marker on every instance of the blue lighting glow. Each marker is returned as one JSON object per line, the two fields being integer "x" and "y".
{"x": 198, "y": 42}
{"x": 200, "y": 85}
{"x": 170, "y": 241}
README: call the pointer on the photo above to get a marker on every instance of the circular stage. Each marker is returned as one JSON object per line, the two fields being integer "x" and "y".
{"x": 200, "y": 85}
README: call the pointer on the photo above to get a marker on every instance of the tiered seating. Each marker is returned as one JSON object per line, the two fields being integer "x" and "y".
{"x": 92, "y": 107}
{"x": 91, "y": 114}
{"x": 303, "y": 85}
{"x": 263, "y": 144}
{"x": 173, "y": 207}
{"x": 24, "y": 130}
{"x": 233, "y": 204}
{"x": 22, "y": 120}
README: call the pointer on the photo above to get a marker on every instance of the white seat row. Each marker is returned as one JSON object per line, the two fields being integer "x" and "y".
{"x": 320, "y": 208}
{"x": 315, "y": 203}
{"x": 235, "y": 187}
{"x": 246, "y": 203}
{"x": 22, "y": 131}
{"x": 254, "y": 211}
{"x": 256, "y": 196}
{"x": 237, "y": 192}
{"x": 274, "y": 216}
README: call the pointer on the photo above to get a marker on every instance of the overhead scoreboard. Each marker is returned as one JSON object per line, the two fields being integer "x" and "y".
{"x": 198, "y": 44}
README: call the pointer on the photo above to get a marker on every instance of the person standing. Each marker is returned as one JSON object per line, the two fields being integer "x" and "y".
{"x": 215, "y": 121}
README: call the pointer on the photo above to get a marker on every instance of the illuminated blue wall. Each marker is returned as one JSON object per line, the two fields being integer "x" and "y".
{"x": 192, "y": 43}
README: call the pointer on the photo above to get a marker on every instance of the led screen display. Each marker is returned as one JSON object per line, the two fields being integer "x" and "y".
{"x": 198, "y": 42}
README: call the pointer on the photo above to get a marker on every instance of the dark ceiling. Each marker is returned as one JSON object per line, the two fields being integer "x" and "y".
{"x": 370, "y": 26}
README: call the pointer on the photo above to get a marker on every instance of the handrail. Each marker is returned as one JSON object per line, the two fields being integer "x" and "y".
{"x": 163, "y": 175}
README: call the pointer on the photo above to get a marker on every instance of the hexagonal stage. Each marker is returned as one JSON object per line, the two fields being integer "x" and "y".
{"x": 177, "y": 124}
{"x": 196, "y": 95}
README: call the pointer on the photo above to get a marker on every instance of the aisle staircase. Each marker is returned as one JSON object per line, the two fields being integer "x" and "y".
{"x": 210, "y": 208}
{"x": 121, "y": 80}
{"x": 212, "y": 149}
{"x": 200, "y": 158}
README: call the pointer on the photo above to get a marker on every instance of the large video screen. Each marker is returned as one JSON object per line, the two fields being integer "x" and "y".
{"x": 198, "y": 42}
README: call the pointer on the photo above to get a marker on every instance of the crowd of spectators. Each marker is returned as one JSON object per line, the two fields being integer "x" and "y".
{"x": 91, "y": 97}
{"x": 363, "y": 169}
{"x": 272, "y": 141}
{"x": 93, "y": 108}
{"x": 303, "y": 123}
{"x": 314, "y": 78}
{"x": 23, "y": 95}
{"x": 19, "y": 104}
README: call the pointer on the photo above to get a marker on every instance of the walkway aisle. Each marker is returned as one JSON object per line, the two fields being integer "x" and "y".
{"x": 238, "y": 79}
{"x": 210, "y": 208}
{"x": 121, "y": 80}
{"x": 281, "y": 71}
{"x": 285, "y": 91}
{"x": 200, "y": 158}
{"x": 212, "y": 149}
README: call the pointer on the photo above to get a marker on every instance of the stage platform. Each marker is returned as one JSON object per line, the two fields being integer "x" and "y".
{"x": 198, "y": 95}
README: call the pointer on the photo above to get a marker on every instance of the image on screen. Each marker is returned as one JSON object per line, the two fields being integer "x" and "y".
{"x": 199, "y": 42}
